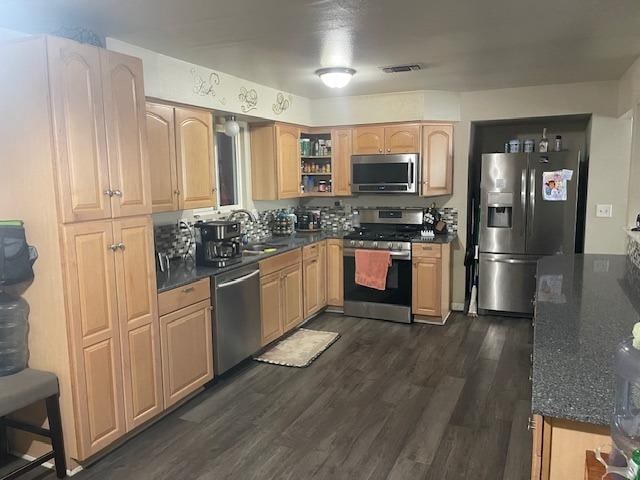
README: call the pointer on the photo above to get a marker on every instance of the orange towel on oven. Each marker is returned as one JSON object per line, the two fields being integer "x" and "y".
{"x": 372, "y": 267}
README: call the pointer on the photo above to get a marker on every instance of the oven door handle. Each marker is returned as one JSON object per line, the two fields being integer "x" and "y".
{"x": 403, "y": 255}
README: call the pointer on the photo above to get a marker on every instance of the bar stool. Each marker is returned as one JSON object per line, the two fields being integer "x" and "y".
{"x": 23, "y": 389}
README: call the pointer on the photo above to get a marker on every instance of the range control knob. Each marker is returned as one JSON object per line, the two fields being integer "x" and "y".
{"x": 360, "y": 243}
{"x": 352, "y": 243}
{"x": 389, "y": 244}
{"x": 374, "y": 244}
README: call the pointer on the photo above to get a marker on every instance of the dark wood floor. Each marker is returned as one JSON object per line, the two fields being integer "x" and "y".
{"x": 387, "y": 401}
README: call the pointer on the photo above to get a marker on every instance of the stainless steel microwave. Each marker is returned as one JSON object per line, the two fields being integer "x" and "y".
{"x": 384, "y": 173}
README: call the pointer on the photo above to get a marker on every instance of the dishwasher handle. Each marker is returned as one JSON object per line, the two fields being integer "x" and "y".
{"x": 238, "y": 280}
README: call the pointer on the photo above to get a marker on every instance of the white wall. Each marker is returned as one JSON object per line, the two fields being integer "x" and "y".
{"x": 629, "y": 103}
{"x": 388, "y": 107}
{"x": 172, "y": 79}
{"x": 608, "y": 139}
{"x": 609, "y": 162}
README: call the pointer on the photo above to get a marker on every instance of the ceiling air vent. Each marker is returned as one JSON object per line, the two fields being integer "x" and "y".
{"x": 401, "y": 68}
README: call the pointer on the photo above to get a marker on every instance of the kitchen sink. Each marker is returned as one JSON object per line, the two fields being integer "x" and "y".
{"x": 255, "y": 247}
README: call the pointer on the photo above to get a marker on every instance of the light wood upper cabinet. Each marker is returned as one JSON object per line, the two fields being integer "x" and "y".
{"x": 195, "y": 165}
{"x": 368, "y": 140}
{"x": 124, "y": 107}
{"x": 78, "y": 115}
{"x": 288, "y": 161}
{"x": 402, "y": 139}
{"x": 138, "y": 318}
{"x": 187, "y": 352}
{"x": 292, "y": 302}
{"x": 335, "y": 295}
{"x": 92, "y": 302}
{"x": 162, "y": 157}
{"x": 275, "y": 161}
{"x": 426, "y": 286}
{"x": 341, "y": 146}
{"x": 270, "y": 308}
{"x": 437, "y": 160}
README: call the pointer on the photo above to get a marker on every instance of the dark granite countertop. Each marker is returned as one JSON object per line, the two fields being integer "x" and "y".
{"x": 448, "y": 238}
{"x": 585, "y": 306}
{"x": 183, "y": 272}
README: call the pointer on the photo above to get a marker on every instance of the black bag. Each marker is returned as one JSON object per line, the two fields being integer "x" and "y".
{"x": 16, "y": 256}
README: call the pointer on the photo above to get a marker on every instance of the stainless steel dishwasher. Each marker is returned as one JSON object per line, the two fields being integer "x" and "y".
{"x": 236, "y": 316}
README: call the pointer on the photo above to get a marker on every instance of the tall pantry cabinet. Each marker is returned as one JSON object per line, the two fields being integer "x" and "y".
{"x": 74, "y": 150}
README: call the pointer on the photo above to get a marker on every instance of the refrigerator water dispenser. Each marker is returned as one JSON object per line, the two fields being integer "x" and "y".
{"x": 500, "y": 210}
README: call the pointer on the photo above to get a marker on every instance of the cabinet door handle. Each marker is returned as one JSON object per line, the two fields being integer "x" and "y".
{"x": 120, "y": 246}
{"x": 108, "y": 192}
{"x": 531, "y": 424}
{"x": 113, "y": 247}
{"x": 117, "y": 192}
{"x": 388, "y": 149}
{"x": 176, "y": 192}
{"x": 188, "y": 289}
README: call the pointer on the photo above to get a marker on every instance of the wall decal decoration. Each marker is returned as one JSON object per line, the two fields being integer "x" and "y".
{"x": 81, "y": 35}
{"x": 248, "y": 99}
{"x": 282, "y": 103}
{"x": 205, "y": 86}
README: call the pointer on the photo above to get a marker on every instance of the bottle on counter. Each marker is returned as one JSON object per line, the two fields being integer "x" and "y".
{"x": 625, "y": 421}
{"x": 558, "y": 143}
{"x": 543, "y": 146}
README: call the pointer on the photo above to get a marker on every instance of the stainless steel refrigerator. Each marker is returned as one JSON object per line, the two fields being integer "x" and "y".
{"x": 528, "y": 207}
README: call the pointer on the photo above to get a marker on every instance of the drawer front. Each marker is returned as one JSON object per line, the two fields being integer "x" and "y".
{"x": 426, "y": 250}
{"x": 278, "y": 262}
{"x": 310, "y": 251}
{"x": 181, "y": 297}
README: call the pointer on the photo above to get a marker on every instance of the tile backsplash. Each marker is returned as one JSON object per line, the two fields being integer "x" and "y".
{"x": 178, "y": 241}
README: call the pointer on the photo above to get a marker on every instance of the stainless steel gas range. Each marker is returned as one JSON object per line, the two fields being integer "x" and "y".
{"x": 382, "y": 229}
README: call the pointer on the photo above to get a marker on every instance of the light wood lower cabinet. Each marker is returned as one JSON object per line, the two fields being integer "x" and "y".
{"x": 292, "y": 314}
{"x": 110, "y": 279}
{"x": 138, "y": 314}
{"x": 314, "y": 270}
{"x": 559, "y": 447}
{"x": 281, "y": 300}
{"x": 270, "y": 308}
{"x": 335, "y": 281}
{"x": 187, "y": 352}
{"x": 431, "y": 294}
{"x": 322, "y": 274}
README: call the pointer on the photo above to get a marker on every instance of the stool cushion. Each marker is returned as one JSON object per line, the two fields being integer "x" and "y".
{"x": 24, "y": 388}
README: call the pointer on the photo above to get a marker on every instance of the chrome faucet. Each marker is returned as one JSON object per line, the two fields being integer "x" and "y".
{"x": 251, "y": 216}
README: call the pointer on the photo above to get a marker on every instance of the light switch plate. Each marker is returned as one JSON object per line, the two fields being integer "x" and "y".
{"x": 604, "y": 210}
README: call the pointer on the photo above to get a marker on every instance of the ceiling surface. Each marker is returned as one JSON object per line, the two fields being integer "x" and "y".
{"x": 463, "y": 45}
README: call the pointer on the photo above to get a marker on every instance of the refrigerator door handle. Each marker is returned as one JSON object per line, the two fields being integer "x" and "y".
{"x": 523, "y": 201}
{"x": 532, "y": 200}
{"x": 513, "y": 261}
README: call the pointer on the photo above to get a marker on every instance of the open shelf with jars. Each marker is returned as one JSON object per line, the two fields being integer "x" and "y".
{"x": 316, "y": 164}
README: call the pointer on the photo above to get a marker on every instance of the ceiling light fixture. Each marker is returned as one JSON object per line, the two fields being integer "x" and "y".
{"x": 336, "y": 77}
{"x": 231, "y": 126}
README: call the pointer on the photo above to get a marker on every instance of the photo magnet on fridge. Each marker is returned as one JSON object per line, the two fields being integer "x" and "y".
{"x": 554, "y": 186}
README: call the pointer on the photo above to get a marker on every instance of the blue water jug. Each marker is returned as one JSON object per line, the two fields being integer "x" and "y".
{"x": 14, "y": 350}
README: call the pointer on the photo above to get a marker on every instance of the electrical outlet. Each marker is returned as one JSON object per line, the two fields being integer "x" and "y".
{"x": 604, "y": 210}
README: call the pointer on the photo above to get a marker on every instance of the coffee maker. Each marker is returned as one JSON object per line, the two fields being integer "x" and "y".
{"x": 218, "y": 243}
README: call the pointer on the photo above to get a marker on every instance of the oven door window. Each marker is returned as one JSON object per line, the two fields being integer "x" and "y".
{"x": 382, "y": 173}
{"x": 398, "y": 291}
